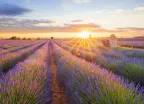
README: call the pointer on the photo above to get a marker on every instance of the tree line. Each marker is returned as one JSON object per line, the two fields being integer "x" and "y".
{"x": 18, "y": 38}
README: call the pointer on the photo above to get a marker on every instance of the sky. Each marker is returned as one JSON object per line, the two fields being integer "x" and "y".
{"x": 68, "y": 18}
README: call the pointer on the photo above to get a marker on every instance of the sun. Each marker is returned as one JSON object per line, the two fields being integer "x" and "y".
{"x": 83, "y": 34}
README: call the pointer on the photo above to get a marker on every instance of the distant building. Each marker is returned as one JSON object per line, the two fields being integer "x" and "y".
{"x": 113, "y": 41}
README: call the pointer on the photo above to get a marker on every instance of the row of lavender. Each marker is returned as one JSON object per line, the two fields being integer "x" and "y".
{"x": 95, "y": 46}
{"x": 10, "y": 59}
{"x": 28, "y": 82}
{"x": 129, "y": 67}
{"x": 86, "y": 83}
{"x": 13, "y": 49}
{"x": 136, "y": 44}
{"x": 117, "y": 53}
{"x": 5, "y": 44}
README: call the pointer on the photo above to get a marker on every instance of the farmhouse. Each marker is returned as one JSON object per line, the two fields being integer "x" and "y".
{"x": 113, "y": 41}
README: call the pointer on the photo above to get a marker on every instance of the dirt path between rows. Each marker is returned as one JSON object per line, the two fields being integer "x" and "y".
{"x": 58, "y": 91}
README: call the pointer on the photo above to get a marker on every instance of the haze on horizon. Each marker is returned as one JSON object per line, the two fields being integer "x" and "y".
{"x": 67, "y": 18}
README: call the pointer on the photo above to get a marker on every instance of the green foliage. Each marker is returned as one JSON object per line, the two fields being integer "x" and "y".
{"x": 138, "y": 54}
{"x": 6, "y": 46}
{"x": 133, "y": 71}
{"x": 112, "y": 66}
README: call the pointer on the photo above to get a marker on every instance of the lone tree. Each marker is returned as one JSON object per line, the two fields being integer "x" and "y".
{"x": 24, "y": 38}
{"x": 29, "y": 39}
{"x": 38, "y": 38}
{"x": 52, "y": 37}
{"x": 13, "y": 38}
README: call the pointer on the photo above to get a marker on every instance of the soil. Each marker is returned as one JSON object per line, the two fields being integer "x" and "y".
{"x": 59, "y": 94}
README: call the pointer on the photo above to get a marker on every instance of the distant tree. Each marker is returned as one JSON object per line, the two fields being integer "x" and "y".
{"x": 139, "y": 37}
{"x": 18, "y": 38}
{"x": 52, "y": 37}
{"x": 24, "y": 38}
{"x": 13, "y": 38}
{"x": 29, "y": 39}
{"x": 38, "y": 38}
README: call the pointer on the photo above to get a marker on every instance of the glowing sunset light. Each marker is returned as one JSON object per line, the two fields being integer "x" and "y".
{"x": 83, "y": 34}
{"x": 65, "y": 19}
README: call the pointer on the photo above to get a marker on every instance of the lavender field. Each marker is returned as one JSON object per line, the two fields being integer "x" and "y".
{"x": 71, "y": 71}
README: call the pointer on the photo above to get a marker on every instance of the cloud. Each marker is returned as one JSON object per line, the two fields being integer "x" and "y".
{"x": 134, "y": 15}
{"x": 131, "y": 29}
{"x": 81, "y": 1}
{"x": 28, "y": 0}
{"x": 120, "y": 30}
{"x": 17, "y": 25}
{"x": 12, "y": 10}
{"x": 22, "y": 23}
{"x": 14, "y": 25}
{"x": 119, "y": 10}
{"x": 77, "y": 21}
{"x": 100, "y": 11}
{"x": 139, "y": 8}
{"x": 89, "y": 25}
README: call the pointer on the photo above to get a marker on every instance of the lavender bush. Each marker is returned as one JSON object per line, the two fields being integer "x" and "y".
{"x": 10, "y": 59}
{"x": 13, "y": 49}
{"x": 114, "y": 62}
{"x": 28, "y": 82}
{"x": 89, "y": 84}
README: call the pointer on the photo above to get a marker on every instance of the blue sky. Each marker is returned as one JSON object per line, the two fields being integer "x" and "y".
{"x": 72, "y": 16}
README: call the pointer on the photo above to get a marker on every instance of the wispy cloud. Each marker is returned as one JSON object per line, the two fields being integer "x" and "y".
{"x": 131, "y": 29}
{"x": 89, "y": 25}
{"x": 17, "y": 25}
{"x": 139, "y": 8}
{"x": 99, "y": 11}
{"x": 10, "y": 9}
{"x": 22, "y": 23}
{"x": 81, "y": 1}
{"x": 28, "y": 0}
{"x": 119, "y": 11}
{"x": 77, "y": 21}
